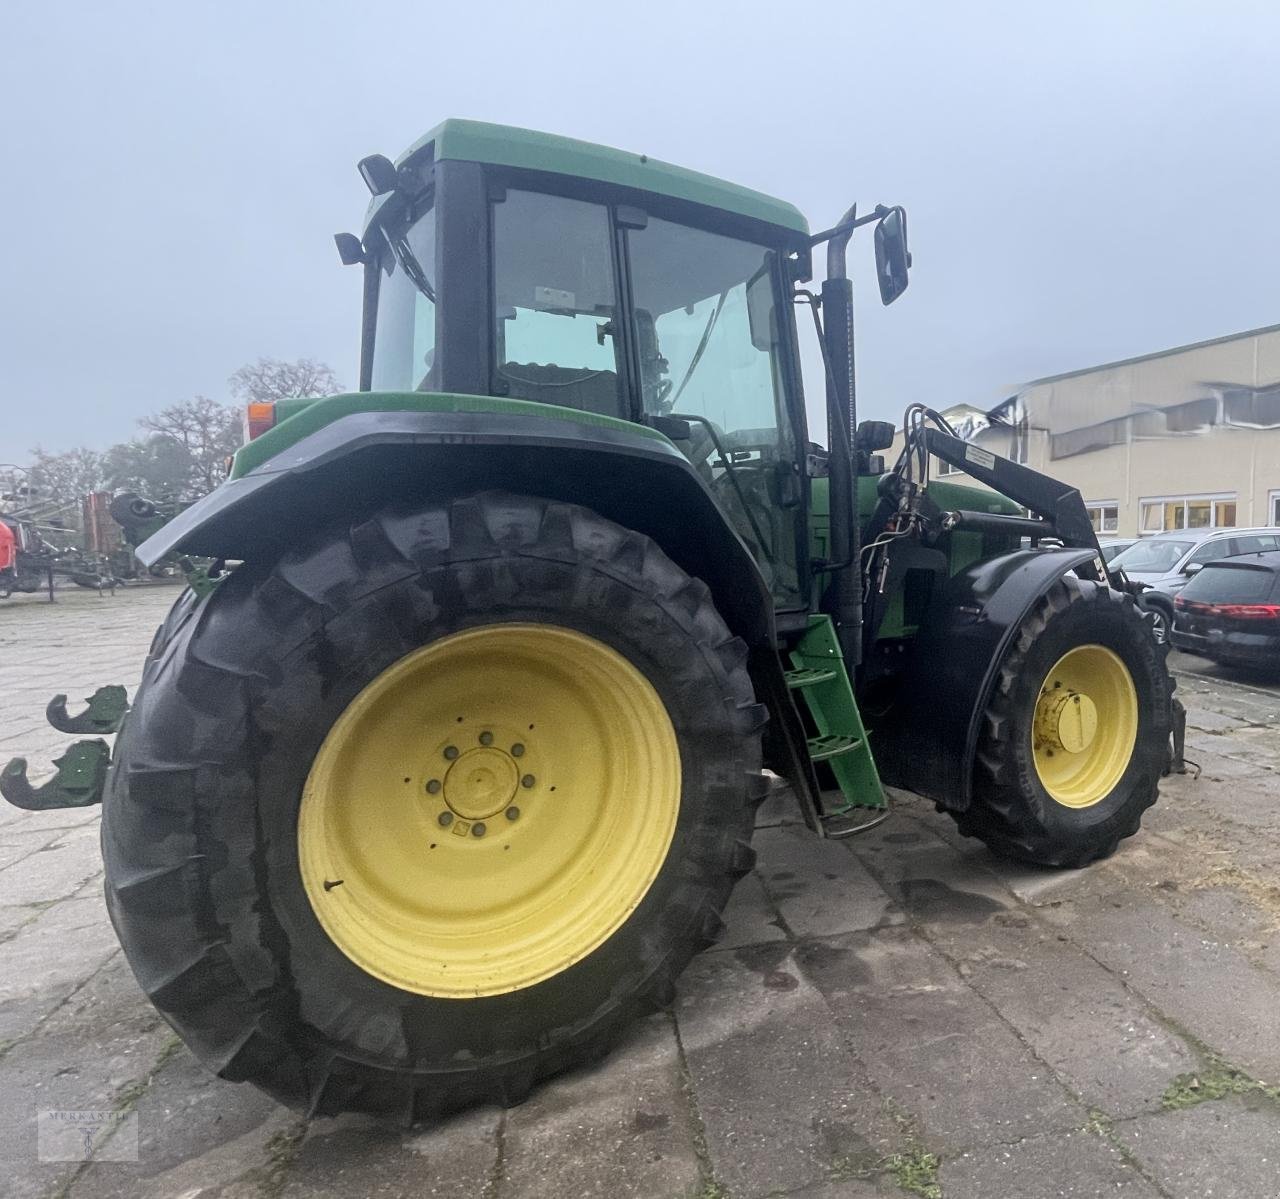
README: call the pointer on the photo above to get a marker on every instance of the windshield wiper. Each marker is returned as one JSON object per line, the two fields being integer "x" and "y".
{"x": 411, "y": 266}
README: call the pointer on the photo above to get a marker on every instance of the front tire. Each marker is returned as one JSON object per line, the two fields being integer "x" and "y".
{"x": 308, "y": 921}
{"x": 1076, "y": 734}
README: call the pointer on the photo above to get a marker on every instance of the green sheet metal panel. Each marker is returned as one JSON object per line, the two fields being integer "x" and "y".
{"x": 305, "y": 418}
{"x": 509, "y": 146}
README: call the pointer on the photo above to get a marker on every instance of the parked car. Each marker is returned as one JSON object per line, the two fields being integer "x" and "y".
{"x": 1230, "y": 611}
{"x": 1111, "y": 546}
{"x": 1166, "y": 561}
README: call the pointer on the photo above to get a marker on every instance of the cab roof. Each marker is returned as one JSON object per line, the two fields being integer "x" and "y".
{"x": 506, "y": 145}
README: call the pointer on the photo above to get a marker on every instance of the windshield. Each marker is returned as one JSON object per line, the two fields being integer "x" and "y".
{"x": 708, "y": 332}
{"x": 1151, "y": 557}
{"x": 404, "y": 344}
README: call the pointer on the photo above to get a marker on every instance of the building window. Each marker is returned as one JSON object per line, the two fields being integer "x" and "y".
{"x": 1187, "y": 512}
{"x": 1275, "y": 507}
{"x": 945, "y": 468}
{"x": 1192, "y": 416}
{"x": 1091, "y": 437}
{"x": 1253, "y": 407}
{"x": 1104, "y": 516}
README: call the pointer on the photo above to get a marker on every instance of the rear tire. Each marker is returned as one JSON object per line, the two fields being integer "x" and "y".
{"x": 1012, "y": 809}
{"x": 200, "y": 824}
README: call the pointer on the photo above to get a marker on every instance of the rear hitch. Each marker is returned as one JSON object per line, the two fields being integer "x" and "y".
{"x": 106, "y": 710}
{"x": 82, "y": 774}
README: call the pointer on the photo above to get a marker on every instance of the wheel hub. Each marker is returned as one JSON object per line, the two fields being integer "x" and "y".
{"x": 481, "y": 783}
{"x": 1085, "y": 726}
{"x": 1066, "y": 721}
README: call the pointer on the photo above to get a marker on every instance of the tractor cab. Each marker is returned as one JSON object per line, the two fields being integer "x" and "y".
{"x": 609, "y": 284}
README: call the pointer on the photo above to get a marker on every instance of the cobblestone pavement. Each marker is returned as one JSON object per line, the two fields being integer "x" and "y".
{"x": 903, "y": 1010}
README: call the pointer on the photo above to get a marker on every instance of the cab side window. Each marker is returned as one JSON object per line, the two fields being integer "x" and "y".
{"x": 556, "y": 302}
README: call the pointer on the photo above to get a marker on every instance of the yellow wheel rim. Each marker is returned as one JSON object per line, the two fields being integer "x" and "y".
{"x": 489, "y": 810}
{"x": 1085, "y": 727}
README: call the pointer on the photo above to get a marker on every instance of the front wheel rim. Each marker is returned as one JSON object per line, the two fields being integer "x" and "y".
{"x": 489, "y": 810}
{"x": 1085, "y": 726}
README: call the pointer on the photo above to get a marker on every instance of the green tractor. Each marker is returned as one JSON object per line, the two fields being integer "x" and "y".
{"x": 447, "y": 766}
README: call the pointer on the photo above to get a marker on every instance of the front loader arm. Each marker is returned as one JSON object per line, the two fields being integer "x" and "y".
{"x": 1058, "y": 509}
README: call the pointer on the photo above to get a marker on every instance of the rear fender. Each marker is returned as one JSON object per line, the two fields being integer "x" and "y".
{"x": 353, "y": 465}
{"x": 928, "y": 745}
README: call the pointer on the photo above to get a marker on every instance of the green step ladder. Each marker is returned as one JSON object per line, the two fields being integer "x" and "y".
{"x": 819, "y": 678}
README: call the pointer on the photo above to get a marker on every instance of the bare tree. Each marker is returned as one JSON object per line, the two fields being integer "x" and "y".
{"x": 157, "y": 467}
{"x": 272, "y": 379}
{"x": 207, "y": 431}
{"x": 57, "y": 483}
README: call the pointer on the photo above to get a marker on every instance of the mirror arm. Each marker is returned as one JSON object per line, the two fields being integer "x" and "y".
{"x": 848, "y": 223}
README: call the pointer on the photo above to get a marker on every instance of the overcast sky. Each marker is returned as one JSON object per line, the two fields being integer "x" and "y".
{"x": 1085, "y": 181}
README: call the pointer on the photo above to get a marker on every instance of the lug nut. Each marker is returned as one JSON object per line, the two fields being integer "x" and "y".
{"x": 445, "y": 819}
{"x": 451, "y": 752}
{"x": 433, "y": 786}
{"x": 513, "y": 813}
{"x": 517, "y": 750}
{"x": 527, "y": 781}
{"x": 477, "y": 829}
{"x": 486, "y": 738}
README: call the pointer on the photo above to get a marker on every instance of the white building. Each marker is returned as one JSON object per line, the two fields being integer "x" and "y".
{"x": 1184, "y": 438}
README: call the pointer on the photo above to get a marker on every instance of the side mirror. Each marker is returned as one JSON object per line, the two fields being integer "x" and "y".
{"x": 378, "y": 173}
{"x": 349, "y": 248}
{"x": 1193, "y": 568}
{"x": 893, "y": 259}
{"x": 874, "y": 435}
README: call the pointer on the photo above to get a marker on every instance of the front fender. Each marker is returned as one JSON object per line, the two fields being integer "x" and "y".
{"x": 954, "y": 665}
{"x": 349, "y": 466}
